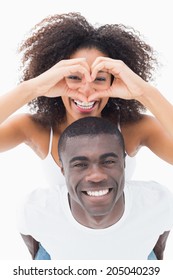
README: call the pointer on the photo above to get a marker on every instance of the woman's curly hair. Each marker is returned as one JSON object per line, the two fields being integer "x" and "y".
{"x": 57, "y": 37}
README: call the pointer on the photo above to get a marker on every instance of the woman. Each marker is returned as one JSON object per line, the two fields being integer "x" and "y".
{"x": 71, "y": 69}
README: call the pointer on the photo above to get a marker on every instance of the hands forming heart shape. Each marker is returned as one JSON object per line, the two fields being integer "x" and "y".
{"x": 74, "y": 78}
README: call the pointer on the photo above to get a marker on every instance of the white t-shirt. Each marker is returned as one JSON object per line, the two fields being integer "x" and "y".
{"x": 148, "y": 213}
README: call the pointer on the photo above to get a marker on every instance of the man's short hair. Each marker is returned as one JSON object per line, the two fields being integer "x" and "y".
{"x": 90, "y": 126}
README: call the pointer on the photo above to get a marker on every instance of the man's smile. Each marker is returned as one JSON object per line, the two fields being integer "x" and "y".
{"x": 97, "y": 193}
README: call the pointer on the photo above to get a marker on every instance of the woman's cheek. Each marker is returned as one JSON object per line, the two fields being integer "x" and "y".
{"x": 72, "y": 85}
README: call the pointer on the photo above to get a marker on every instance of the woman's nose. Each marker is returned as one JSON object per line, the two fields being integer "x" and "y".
{"x": 86, "y": 88}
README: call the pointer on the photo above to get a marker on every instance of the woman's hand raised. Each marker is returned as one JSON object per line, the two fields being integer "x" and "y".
{"x": 126, "y": 84}
{"x": 52, "y": 83}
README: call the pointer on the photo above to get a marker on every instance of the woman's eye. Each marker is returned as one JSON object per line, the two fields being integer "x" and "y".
{"x": 100, "y": 79}
{"x": 73, "y": 77}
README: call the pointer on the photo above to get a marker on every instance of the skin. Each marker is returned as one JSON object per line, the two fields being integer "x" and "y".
{"x": 89, "y": 171}
{"x": 78, "y": 83}
{"x": 156, "y": 133}
{"x": 148, "y": 132}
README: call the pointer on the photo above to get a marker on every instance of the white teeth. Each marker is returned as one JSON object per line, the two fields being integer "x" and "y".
{"x": 84, "y": 105}
{"x": 98, "y": 193}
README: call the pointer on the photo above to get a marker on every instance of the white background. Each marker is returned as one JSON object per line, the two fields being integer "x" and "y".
{"x": 19, "y": 168}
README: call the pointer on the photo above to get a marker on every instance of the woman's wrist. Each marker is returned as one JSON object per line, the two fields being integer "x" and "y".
{"x": 150, "y": 97}
{"x": 27, "y": 91}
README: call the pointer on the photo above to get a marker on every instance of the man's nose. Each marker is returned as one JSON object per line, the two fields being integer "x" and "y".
{"x": 95, "y": 174}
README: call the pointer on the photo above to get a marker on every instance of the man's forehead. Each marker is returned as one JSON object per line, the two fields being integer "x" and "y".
{"x": 84, "y": 138}
{"x": 89, "y": 143}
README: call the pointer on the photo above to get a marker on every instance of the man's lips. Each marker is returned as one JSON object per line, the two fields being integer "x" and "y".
{"x": 98, "y": 192}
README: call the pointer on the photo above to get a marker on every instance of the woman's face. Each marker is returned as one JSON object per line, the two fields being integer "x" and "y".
{"x": 76, "y": 109}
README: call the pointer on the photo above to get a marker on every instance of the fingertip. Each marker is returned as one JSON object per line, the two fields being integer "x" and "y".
{"x": 92, "y": 77}
{"x": 89, "y": 79}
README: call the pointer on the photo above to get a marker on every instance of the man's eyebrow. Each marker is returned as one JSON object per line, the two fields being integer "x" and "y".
{"x": 78, "y": 158}
{"x": 101, "y": 157}
{"x": 108, "y": 155}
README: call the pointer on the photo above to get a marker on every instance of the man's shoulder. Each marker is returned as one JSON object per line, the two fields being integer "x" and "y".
{"x": 146, "y": 185}
{"x": 41, "y": 197}
{"x": 153, "y": 190}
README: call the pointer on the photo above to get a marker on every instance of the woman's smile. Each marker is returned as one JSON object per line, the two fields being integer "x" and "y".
{"x": 85, "y": 106}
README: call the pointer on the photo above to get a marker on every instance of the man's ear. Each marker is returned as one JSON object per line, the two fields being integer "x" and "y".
{"x": 61, "y": 167}
{"x": 125, "y": 159}
{"x": 62, "y": 170}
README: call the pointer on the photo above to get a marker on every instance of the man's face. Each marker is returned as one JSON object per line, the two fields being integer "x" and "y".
{"x": 94, "y": 173}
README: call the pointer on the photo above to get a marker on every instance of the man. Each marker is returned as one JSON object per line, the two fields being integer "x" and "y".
{"x": 97, "y": 216}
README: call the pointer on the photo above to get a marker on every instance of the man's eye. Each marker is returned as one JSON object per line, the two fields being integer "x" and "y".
{"x": 80, "y": 165}
{"x": 109, "y": 162}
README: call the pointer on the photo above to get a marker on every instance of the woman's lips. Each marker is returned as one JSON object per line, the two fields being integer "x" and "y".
{"x": 84, "y": 106}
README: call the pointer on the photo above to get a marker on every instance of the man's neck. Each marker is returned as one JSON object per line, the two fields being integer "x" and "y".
{"x": 101, "y": 221}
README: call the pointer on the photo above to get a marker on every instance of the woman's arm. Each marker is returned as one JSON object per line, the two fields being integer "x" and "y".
{"x": 157, "y": 104}
{"x": 51, "y": 84}
{"x": 158, "y": 136}
{"x": 128, "y": 85}
{"x": 150, "y": 133}
{"x": 14, "y": 100}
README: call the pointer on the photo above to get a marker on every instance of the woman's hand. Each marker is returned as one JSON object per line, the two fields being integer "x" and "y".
{"x": 126, "y": 84}
{"x": 52, "y": 82}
